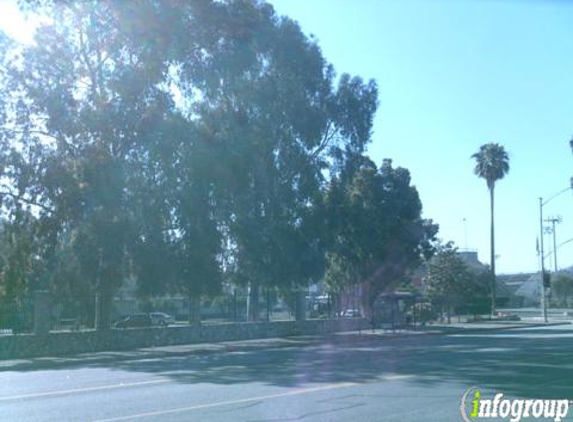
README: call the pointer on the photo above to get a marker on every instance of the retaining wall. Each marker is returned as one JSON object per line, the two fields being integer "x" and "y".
{"x": 65, "y": 343}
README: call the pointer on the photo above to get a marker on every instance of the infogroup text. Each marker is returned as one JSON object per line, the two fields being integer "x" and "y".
{"x": 474, "y": 407}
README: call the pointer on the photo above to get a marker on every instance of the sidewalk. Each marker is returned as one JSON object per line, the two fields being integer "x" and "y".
{"x": 459, "y": 328}
{"x": 485, "y": 326}
{"x": 98, "y": 358}
{"x": 244, "y": 346}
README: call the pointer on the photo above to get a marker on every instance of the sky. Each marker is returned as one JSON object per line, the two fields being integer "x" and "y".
{"x": 453, "y": 75}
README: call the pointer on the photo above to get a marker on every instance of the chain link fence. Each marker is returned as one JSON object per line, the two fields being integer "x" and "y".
{"x": 234, "y": 306}
{"x": 16, "y": 316}
{"x": 78, "y": 313}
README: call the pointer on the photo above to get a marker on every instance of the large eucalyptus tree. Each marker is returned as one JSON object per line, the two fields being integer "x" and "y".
{"x": 171, "y": 141}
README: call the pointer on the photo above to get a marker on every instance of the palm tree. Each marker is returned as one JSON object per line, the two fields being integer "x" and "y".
{"x": 492, "y": 164}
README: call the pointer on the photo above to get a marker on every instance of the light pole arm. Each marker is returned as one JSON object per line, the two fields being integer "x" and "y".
{"x": 543, "y": 203}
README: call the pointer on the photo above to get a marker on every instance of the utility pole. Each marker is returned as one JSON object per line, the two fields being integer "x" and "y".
{"x": 541, "y": 204}
{"x": 543, "y": 301}
{"x": 466, "y": 233}
{"x": 553, "y": 221}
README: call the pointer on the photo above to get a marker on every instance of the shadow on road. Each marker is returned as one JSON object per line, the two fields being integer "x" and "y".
{"x": 525, "y": 362}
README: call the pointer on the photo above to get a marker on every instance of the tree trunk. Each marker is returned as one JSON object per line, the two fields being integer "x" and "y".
{"x": 492, "y": 249}
{"x": 97, "y": 311}
{"x": 41, "y": 312}
{"x": 194, "y": 310}
{"x": 102, "y": 320}
{"x": 335, "y": 305}
{"x": 300, "y": 306}
{"x": 254, "y": 302}
{"x": 449, "y": 314}
{"x": 268, "y": 298}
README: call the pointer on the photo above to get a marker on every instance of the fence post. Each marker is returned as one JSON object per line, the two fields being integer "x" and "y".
{"x": 41, "y": 312}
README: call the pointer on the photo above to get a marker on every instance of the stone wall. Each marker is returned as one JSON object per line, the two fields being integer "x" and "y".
{"x": 65, "y": 343}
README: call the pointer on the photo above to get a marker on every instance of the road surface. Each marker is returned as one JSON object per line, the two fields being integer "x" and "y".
{"x": 335, "y": 378}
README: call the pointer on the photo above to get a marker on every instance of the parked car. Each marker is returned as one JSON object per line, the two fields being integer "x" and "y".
{"x": 505, "y": 316}
{"x": 352, "y": 313}
{"x": 161, "y": 319}
{"x": 134, "y": 321}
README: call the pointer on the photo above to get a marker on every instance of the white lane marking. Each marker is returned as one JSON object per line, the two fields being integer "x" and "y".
{"x": 230, "y": 402}
{"x": 394, "y": 377}
{"x": 83, "y": 390}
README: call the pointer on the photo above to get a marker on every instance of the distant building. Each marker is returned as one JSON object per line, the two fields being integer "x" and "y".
{"x": 530, "y": 290}
{"x": 522, "y": 287}
{"x": 470, "y": 257}
{"x": 504, "y": 294}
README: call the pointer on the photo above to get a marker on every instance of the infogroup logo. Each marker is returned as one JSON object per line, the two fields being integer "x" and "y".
{"x": 474, "y": 407}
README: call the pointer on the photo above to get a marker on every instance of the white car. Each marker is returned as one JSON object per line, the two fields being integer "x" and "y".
{"x": 352, "y": 313}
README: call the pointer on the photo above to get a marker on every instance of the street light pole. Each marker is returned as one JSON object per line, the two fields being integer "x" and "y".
{"x": 543, "y": 301}
{"x": 553, "y": 220}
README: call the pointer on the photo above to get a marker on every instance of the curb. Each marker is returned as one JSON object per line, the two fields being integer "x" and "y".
{"x": 367, "y": 331}
{"x": 458, "y": 330}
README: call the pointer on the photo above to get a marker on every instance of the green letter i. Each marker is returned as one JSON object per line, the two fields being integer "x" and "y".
{"x": 475, "y": 402}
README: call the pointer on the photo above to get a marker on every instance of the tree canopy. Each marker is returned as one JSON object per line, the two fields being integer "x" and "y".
{"x": 492, "y": 163}
{"x": 562, "y": 288}
{"x": 184, "y": 144}
{"x": 453, "y": 286}
{"x": 375, "y": 229}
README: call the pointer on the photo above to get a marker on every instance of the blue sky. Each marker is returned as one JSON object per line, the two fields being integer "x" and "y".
{"x": 453, "y": 75}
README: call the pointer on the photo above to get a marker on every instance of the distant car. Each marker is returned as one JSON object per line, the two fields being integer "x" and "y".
{"x": 352, "y": 313}
{"x": 503, "y": 316}
{"x": 134, "y": 321}
{"x": 280, "y": 307}
{"x": 161, "y": 319}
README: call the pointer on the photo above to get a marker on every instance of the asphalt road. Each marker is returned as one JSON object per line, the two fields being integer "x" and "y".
{"x": 336, "y": 378}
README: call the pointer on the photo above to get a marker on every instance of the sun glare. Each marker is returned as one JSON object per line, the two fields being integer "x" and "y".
{"x": 15, "y": 24}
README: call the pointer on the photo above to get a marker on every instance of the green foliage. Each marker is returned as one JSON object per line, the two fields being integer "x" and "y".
{"x": 447, "y": 278}
{"x": 20, "y": 267}
{"x": 283, "y": 123}
{"x": 425, "y": 312}
{"x": 182, "y": 143}
{"x": 453, "y": 286}
{"x": 375, "y": 232}
{"x": 547, "y": 276}
{"x": 562, "y": 288}
{"x": 492, "y": 163}
{"x": 476, "y": 300}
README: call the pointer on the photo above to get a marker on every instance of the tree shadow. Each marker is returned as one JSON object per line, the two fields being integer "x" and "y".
{"x": 527, "y": 363}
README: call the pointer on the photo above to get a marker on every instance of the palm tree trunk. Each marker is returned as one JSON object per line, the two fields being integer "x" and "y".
{"x": 492, "y": 249}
